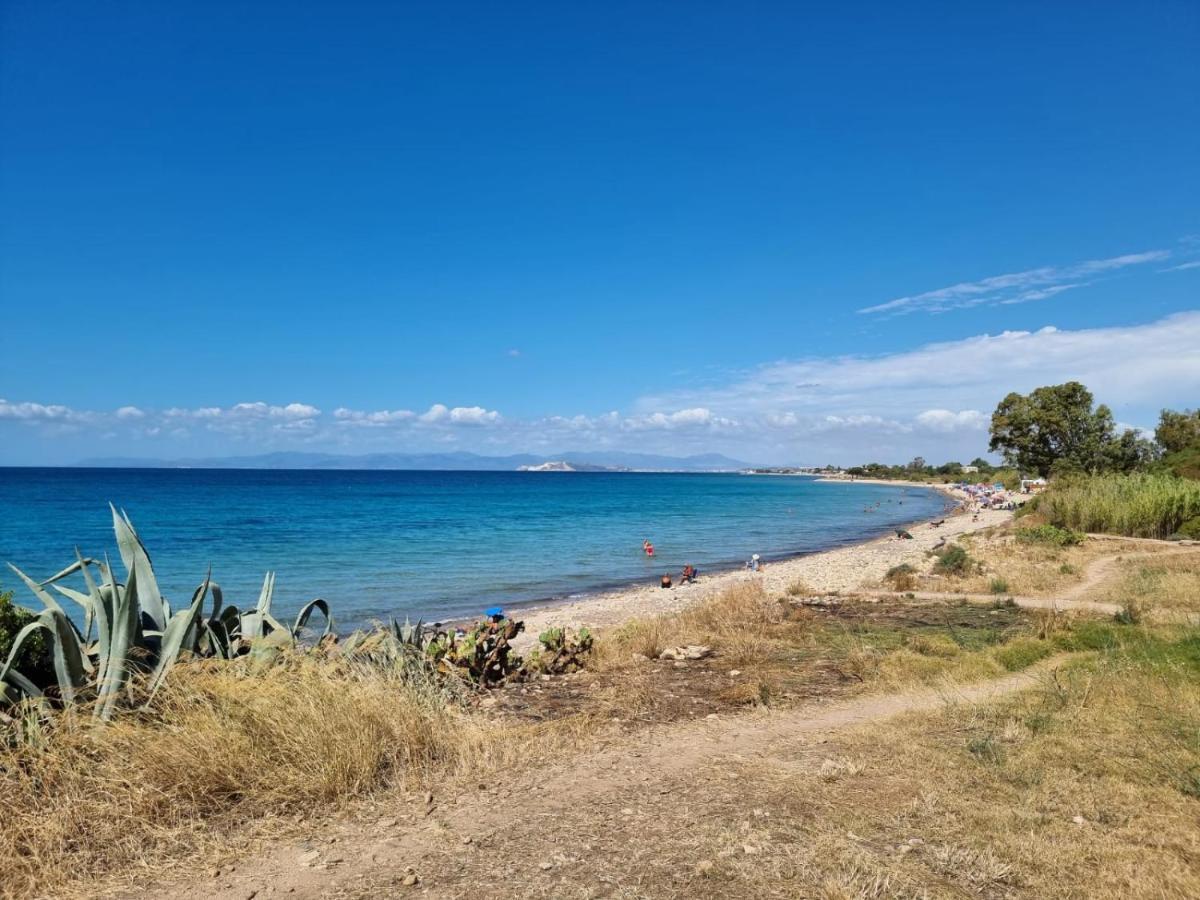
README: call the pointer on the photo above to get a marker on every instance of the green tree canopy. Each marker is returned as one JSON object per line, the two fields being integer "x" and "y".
{"x": 1055, "y": 429}
{"x": 1178, "y": 430}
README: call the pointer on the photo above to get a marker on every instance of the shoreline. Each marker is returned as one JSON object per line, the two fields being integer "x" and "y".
{"x": 841, "y": 568}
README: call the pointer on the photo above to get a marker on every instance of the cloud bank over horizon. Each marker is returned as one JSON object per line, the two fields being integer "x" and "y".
{"x": 934, "y": 400}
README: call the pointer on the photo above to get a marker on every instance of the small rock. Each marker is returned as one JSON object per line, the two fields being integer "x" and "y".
{"x": 750, "y": 850}
{"x": 734, "y": 673}
{"x": 546, "y": 866}
{"x": 1079, "y": 820}
{"x": 411, "y": 879}
{"x": 389, "y": 822}
{"x": 216, "y": 873}
{"x": 309, "y": 858}
{"x": 640, "y": 657}
{"x": 712, "y": 716}
{"x": 704, "y": 867}
{"x": 468, "y": 839}
{"x": 428, "y": 797}
{"x": 250, "y": 895}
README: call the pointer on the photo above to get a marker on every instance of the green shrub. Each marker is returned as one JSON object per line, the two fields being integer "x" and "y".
{"x": 1141, "y": 505}
{"x": 954, "y": 560}
{"x": 34, "y": 659}
{"x": 1022, "y": 653}
{"x": 902, "y": 577}
{"x": 998, "y": 586}
{"x": 1050, "y": 534}
{"x": 1190, "y": 529}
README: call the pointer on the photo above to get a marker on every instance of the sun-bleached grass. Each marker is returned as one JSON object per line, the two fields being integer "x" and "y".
{"x": 228, "y": 751}
{"x": 743, "y": 623}
{"x": 1086, "y": 786}
{"x": 1169, "y": 584}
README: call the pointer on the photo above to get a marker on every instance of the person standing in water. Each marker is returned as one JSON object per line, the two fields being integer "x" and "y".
{"x": 647, "y": 548}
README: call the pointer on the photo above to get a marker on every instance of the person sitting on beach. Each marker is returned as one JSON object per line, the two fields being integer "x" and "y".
{"x": 689, "y": 575}
{"x": 666, "y": 581}
{"x": 753, "y": 565}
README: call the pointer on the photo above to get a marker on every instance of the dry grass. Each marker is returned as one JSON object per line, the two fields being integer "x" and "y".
{"x": 1170, "y": 584}
{"x": 1088, "y": 786}
{"x": 1027, "y": 570}
{"x": 743, "y": 623}
{"x": 227, "y": 753}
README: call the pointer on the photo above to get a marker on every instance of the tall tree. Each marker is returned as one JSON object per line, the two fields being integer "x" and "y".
{"x": 1178, "y": 430}
{"x": 1056, "y": 429}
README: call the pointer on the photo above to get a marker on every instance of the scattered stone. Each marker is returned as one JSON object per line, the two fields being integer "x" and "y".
{"x": 310, "y": 858}
{"x": 712, "y": 716}
{"x": 428, "y": 797}
{"x": 734, "y": 673}
{"x": 704, "y": 867}
{"x": 823, "y": 602}
{"x": 250, "y": 895}
{"x": 640, "y": 657}
{"x": 411, "y": 879}
{"x": 750, "y": 850}
{"x": 468, "y": 839}
{"x": 691, "y": 651}
{"x": 1079, "y": 820}
{"x": 389, "y": 822}
{"x": 546, "y": 866}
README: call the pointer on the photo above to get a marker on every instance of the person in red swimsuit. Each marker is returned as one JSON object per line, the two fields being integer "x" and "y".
{"x": 648, "y": 548}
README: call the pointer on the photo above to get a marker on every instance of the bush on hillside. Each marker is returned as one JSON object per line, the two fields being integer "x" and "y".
{"x": 953, "y": 560}
{"x": 1050, "y": 534}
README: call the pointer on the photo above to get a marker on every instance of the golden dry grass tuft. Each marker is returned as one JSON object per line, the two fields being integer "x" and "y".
{"x": 224, "y": 749}
{"x": 1169, "y": 584}
{"x": 742, "y": 623}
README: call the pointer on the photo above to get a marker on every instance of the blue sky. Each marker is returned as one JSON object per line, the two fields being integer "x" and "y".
{"x": 785, "y": 234}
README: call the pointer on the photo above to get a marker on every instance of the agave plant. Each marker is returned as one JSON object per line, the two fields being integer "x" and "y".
{"x": 136, "y": 630}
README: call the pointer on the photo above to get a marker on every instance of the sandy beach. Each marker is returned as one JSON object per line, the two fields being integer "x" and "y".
{"x": 842, "y": 569}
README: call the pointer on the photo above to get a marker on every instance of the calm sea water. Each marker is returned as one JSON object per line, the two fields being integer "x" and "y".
{"x": 430, "y": 544}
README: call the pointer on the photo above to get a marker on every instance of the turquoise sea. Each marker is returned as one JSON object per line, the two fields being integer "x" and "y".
{"x": 436, "y": 545}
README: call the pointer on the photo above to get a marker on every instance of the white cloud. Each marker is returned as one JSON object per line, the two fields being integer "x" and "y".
{"x": 1015, "y": 287}
{"x": 37, "y": 412}
{"x": 690, "y": 418}
{"x": 473, "y": 415}
{"x": 130, "y": 412}
{"x": 1182, "y": 267}
{"x": 946, "y": 421}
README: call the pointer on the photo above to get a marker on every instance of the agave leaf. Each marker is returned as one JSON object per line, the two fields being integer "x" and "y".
{"x": 93, "y": 594}
{"x": 21, "y": 683}
{"x": 122, "y": 635}
{"x": 74, "y": 567}
{"x": 136, "y": 559}
{"x": 68, "y": 662}
{"x": 305, "y": 613}
{"x": 40, "y": 592}
{"x": 175, "y": 636}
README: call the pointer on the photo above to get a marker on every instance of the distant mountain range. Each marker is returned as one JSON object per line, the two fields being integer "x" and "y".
{"x": 613, "y": 461}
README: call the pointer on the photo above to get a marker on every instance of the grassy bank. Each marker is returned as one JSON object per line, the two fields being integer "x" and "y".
{"x": 227, "y": 750}
{"x": 1143, "y": 505}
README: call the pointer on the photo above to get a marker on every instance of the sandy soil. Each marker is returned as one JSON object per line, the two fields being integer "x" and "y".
{"x": 843, "y": 569}
{"x": 564, "y": 830}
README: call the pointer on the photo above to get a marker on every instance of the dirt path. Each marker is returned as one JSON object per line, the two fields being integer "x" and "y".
{"x": 512, "y": 839}
{"x": 1098, "y": 571}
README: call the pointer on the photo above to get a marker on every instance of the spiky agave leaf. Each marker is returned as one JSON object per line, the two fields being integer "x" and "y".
{"x": 306, "y": 612}
{"x": 38, "y": 591}
{"x": 122, "y": 636}
{"x": 136, "y": 559}
{"x": 68, "y": 654}
{"x": 175, "y": 637}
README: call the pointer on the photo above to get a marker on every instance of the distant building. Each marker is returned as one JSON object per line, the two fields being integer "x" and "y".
{"x": 967, "y": 470}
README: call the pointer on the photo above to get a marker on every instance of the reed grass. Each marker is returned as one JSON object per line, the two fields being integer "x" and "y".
{"x": 1142, "y": 505}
